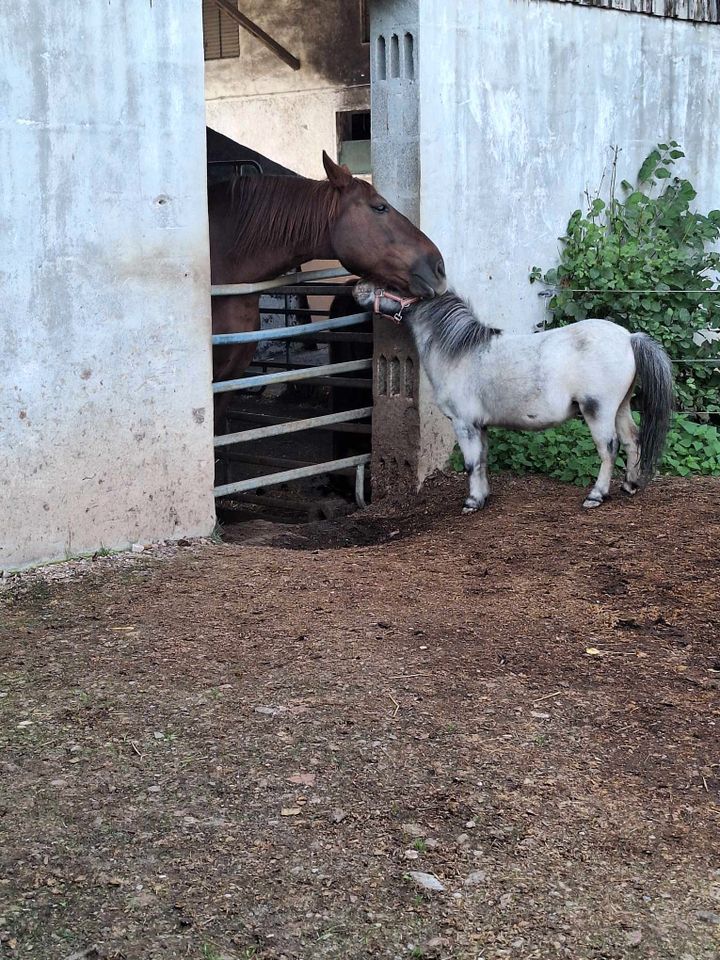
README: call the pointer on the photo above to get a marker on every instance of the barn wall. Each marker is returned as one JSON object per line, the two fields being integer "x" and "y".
{"x": 289, "y": 115}
{"x": 520, "y": 103}
{"x": 105, "y": 403}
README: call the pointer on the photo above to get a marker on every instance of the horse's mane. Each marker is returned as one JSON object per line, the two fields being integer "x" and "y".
{"x": 454, "y": 328}
{"x": 280, "y": 210}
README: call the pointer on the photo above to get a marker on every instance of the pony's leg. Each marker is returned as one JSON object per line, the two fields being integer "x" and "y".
{"x": 628, "y": 432}
{"x": 473, "y": 443}
{"x": 602, "y": 429}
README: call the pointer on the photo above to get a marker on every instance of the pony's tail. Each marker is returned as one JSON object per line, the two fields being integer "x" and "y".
{"x": 654, "y": 376}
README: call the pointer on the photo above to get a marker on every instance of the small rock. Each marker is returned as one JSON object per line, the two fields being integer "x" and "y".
{"x": 337, "y": 816}
{"x": 633, "y": 938}
{"x": 143, "y": 899}
{"x": 159, "y": 735}
{"x": 463, "y": 839}
{"x": 290, "y": 811}
{"x": 303, "y": 779}
{"x": 427, "y": 881}
{"x": 432, "y": 844}
{"x": 137, "y": 548}
{"x": 154, "y": 789}
{"x": 270, "y": 711}
{"x": 25, "y": 723}
{"x": 474, "y": 878}
{"x": 470, "y": 824}
{"x": 411, "y": 855}
{"x": 539, "y": 716}
{"x": 413, "y": 830}
{"x": 58, "y": 783}
{"x": 708, "y": 916}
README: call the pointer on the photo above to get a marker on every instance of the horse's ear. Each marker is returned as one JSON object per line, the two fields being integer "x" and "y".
{"x": 339, "y": 176}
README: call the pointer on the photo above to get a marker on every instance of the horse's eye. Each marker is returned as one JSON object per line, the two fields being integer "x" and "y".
{"x": 380, "y": 207}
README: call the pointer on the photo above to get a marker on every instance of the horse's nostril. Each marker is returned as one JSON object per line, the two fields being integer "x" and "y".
{"x": 440, "y": 269}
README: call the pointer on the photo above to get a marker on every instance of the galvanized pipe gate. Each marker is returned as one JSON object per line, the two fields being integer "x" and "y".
{"x": 306, "y": 283}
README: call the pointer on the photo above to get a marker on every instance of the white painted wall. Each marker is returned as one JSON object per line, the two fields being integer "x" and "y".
{"x": 521, "y": 101}
{"x": 292, "y": 128}
{"x": 105, "y": 402}
{"x": 289, "y": 115}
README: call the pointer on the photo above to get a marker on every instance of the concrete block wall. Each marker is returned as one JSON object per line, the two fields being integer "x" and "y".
{"x": 410, "y": 437}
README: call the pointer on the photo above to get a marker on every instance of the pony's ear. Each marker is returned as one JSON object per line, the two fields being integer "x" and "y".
{"x": 339, "y": 176}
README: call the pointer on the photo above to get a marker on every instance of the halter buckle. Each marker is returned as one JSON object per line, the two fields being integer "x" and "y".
{"x": 402, "y": 301}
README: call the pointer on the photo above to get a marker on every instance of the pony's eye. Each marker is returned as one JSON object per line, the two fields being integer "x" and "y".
{"x": 380, "y": 207}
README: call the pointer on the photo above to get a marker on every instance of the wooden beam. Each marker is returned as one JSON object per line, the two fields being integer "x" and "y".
{"x": 232, "y": 11}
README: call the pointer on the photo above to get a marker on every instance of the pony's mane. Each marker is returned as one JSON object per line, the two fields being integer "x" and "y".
{"x": 289, "y": 210}
{"x": 454, "y": 328}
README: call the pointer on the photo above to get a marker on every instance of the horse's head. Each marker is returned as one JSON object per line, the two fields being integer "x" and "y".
{"x": 374, "y": 240}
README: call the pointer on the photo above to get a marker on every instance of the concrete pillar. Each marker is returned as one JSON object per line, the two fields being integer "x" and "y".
{"x": 411, "y": 438}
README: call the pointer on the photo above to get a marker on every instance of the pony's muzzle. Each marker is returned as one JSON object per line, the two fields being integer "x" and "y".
{"x": 364, "y": 293}
{"x": 427, "y": 277}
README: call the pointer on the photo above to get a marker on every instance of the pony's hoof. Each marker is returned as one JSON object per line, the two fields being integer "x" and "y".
{"x": 630, "y": 488}
{"x": 590, "y": 502}
{"x": 472, "y": 505}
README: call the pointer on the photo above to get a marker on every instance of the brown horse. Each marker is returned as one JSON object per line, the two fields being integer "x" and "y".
{"x": 261, "y": 226}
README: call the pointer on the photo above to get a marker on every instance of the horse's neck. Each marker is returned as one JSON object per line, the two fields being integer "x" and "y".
{"x": 281, "y": 252}
{"x": 421, "y": 334}
{"x": 438, "y": 366}
{"x": 421, "y": 331}
{"x": 273, "y": 262}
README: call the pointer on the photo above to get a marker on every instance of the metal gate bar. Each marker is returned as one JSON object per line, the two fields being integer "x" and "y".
{"x": 285, "y": 476}
{"x": 282, "y": 333}
{"x": 266, "y": 418}
{"x": 286, "y": 463}
{"x": 301, "y": 283}
{"x": 292, "y": 426}
{"x": 290, "y": 376}
{"x": 240, "y": 289}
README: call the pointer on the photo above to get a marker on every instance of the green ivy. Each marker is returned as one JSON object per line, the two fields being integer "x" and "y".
{"x": 568, "y": 453}
{"x": 632, "y": 259}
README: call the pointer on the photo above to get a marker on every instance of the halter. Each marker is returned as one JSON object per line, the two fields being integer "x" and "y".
{"x": 401, "y": 301}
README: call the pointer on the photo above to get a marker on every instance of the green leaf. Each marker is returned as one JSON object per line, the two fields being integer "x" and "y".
{"x": 648, "y": 166}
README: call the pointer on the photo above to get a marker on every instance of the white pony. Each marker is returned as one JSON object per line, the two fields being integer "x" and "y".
{"x": 483, "y": 377}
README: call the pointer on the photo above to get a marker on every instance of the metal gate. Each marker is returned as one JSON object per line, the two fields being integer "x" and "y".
{"x": 313, "y": 283}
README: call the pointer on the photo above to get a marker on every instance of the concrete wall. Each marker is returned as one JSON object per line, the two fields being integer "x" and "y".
{"x": 521, "y": 101}
{"x": 411, "y": 438}
{"x": 289, "y": 115}
{"x": 105, "y": 403}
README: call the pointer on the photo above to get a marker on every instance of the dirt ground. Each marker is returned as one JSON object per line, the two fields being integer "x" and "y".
{"x": 246, "y": 750}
